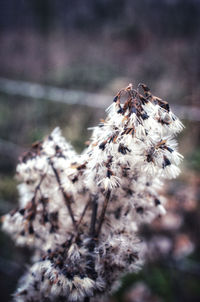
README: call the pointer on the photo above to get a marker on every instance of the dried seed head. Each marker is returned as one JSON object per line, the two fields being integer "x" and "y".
{"x": 81, "y": 213}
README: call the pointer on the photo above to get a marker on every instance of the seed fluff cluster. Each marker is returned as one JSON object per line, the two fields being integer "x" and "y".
{"x": 80, "y": 213}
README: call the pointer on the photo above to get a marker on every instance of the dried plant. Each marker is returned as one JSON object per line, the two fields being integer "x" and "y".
{"x": 81, "y": 213}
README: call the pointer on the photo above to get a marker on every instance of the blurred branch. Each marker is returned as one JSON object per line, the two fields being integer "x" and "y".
{"x": 38, "y": 91}
{"x": 8, "y": 267}
{"x": 5, "y": 206}
{"x": 10, "y": 149}
{"x": 50, "y": 93}
{"x": 184, "y": 265}
{"x": 190, "y": 113}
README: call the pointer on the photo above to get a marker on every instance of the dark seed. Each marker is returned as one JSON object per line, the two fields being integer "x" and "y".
{"x": 157, "y": 201}
{"x": 140, "y": 210}
{"x": 102, "y": 145}
{"x": 166, "y": 162}
{"x": 30, "y": 229}
{"x": 144, "y": 116}
{"x": 22, "y": 211}
{"x": 120, "y": 110}
{"x": 170, "y": 149}
{"x": 115, "y": 99}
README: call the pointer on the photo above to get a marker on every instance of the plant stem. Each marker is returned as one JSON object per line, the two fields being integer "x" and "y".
{"x": 93, "y": 217}
{"x": 103, "y": 212}
{"x": 66, "y": 197}
{"x": 83, "y": 213}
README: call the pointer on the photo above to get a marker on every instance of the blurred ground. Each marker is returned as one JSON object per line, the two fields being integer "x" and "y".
{"x": 100, "y": 46}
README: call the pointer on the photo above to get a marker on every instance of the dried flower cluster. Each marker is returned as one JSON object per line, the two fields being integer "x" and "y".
{"x": 80, "y": 213}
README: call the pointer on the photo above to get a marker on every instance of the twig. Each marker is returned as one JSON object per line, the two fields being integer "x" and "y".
{"x": 10, "y": 149}
{"x": 93, "y": 217}
{"x": 83, "y": 213}
{"x": 66, "y": 198}
{"x": 91, "y": 244}
{"x": 103, "y": 212}
{"x": 38, "y": 187}
{"x": 73, "y": 237}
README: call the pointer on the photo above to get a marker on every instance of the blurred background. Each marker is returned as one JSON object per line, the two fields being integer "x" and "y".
{"x": 61, "y": 63}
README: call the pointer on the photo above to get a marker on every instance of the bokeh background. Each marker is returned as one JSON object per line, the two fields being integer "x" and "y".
{"x": 60, "y": 64}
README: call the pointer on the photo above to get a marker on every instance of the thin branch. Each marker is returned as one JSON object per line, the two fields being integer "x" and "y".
{"x": 66, "y": 197}
{"x": 38, "y": 187}
{"x": 93, "y": 217}
{"x": 10, "y": 149}
{"x": 103, "y": 212}
{"x": 91, "y": 244}
{"x": 73, "y": 237}
{"x": 83, "y": 213}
